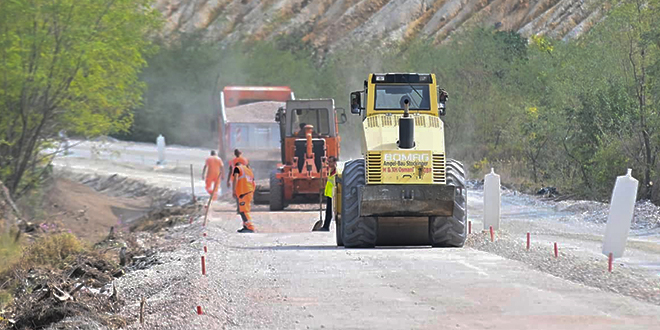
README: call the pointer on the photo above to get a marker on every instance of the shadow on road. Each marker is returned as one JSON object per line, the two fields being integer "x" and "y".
{"x": 289, "y": 247}
{"x": 327, "y": 247}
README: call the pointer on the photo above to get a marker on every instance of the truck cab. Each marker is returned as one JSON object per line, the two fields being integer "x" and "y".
{"x": 309, "y": 134}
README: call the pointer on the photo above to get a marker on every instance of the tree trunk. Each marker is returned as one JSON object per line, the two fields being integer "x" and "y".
{"x": 9, "y": 213}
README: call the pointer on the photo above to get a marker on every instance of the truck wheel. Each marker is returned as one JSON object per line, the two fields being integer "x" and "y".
{"x": 452, "y": 231}
{"x": 276, "y": 192}
{"x": 357, "y": 231}
{"x": 338, "y": 232}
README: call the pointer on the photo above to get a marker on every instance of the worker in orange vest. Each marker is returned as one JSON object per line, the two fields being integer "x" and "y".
{"x": 244, "y": 189}
{"x": 238, "y": 159}
{"x": 214, "y": 175}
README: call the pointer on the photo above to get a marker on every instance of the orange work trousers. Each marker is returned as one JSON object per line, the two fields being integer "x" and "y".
{"x": 244, "y": 204}
{"x": 212, "y": 185}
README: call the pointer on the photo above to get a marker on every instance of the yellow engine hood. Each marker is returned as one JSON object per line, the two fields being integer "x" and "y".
{"x": 381, "y": 132}
{"x": 388, "y": 164}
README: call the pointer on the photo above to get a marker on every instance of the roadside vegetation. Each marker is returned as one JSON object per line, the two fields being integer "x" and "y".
{"x": 571, "y": 114}
{"x": 53, "y": 277}
{"x": 66, "y": 65}
{"x": 39, "y": 280}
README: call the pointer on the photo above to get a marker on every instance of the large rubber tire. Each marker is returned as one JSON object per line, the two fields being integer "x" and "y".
{"x": 339, "y": 234}
{"x": 338, "y": 230}
{"x": 452, "y": 231}
{"x": 357, "y": 231}
{"x": 276, "y": 192}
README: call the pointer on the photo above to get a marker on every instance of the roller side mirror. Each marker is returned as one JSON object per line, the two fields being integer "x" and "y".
{"x": 442, "y": 101}
{"x": 356, "y": 103}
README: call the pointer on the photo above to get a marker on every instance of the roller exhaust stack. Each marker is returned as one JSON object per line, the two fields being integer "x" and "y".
{"x": 406, "y": 128}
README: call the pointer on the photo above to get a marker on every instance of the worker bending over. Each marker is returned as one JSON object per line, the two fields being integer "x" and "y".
{"x": 244, "y": 189}
{"x": 214, "y": 175}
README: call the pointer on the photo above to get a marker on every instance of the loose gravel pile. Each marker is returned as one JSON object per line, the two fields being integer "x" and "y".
{"x": 646, "y": 216}
{"x": 587, "y": 271}
{"x": 258, "y": 112}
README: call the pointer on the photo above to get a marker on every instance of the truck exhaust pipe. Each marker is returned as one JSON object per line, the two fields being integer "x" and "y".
{"x": 406, "y": 128}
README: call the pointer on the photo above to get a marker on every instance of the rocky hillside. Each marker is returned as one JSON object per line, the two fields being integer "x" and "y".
{"x": 331, "y": 24}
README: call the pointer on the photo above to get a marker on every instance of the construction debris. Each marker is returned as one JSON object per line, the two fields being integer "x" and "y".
{"x": 45, "y": 295}
{"x": 83, "y": 290}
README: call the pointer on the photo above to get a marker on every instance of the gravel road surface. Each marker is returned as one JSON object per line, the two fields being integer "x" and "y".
{"x": 285, "y": 277}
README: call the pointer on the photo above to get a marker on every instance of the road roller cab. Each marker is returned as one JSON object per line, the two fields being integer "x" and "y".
{"x": 403, "y": 191}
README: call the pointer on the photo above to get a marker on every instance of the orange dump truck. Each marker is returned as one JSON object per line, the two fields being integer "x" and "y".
{"x": 246, "y": 122}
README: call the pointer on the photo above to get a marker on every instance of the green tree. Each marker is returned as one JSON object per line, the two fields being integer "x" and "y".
{"x": 66, "y": 65}
{"x": 633, "y": 25}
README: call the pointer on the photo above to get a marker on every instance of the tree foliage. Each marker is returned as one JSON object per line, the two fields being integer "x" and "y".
{"x": 573, "y": 114}
{"x": 66, "y": 65}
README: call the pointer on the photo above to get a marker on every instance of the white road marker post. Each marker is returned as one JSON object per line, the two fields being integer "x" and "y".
{"x": 492, "y": 201}
{"x": 160, "y": 146}
{"x": 622, "y": 208}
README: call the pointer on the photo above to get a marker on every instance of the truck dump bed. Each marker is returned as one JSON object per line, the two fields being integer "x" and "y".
{"x": 258, "y": 112}
{"x": 252, "y": 128}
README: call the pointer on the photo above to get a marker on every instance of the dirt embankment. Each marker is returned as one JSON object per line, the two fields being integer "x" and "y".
{"x": 330, "y": 25}
{"x": 89, "y": 206}
{"x": 82, "y": 234}
{"x": 83, "y": 211}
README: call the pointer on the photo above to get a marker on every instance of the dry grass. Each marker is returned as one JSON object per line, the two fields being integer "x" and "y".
{"x": 30, "y": 279}
{"x": 46, "y": 253}
{"x": 513, "y": 173}
{"x": 10, "y": 250}
{"x": 10, "y": 253}
{"x": 53, "y": 250}
{"x": 168, "y": 217}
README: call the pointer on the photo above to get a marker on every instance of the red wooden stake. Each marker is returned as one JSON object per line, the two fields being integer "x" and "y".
{"x": 469, "y": 227}
{"x": 203, "y": 265}
{"x": 492, "y": 234}
{"x": 205, "y": 249}
{"x": 528, "y": 240}
{"x": 191, "y": 219}
{"x": 199, "y": 310}
{"x": 556, "y": 251}
{"x": 610, "y": 258}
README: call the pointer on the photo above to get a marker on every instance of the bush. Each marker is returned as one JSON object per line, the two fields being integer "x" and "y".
{"x": 10, "y": 251}
{"x": 52, "y": 250}
{"x": 48, "y": 251}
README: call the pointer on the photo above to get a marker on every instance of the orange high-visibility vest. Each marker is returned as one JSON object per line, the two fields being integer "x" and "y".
{"x": 245, "y": 182}
{"x": 238, "y": 160}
